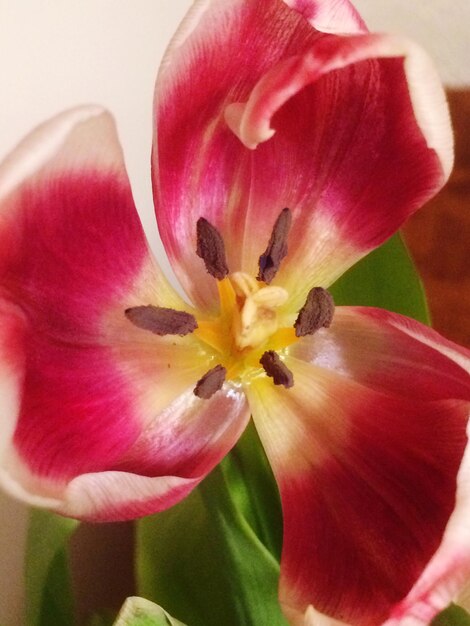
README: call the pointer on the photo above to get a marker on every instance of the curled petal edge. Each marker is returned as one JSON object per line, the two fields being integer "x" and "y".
{"x": 251, "y": 121}
{"x": 108, "y": 496}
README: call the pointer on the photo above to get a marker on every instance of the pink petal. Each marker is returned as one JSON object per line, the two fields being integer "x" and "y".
{"x": 87, "y": 392}
{"x": 367, "y": 475}
{"x": 390, "y": 353}
{"x": 352, "y": 134}
{"x": 172, "y": 454}
{"x": 448, "y": 572}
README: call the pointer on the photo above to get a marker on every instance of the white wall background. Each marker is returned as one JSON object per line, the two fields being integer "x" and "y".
{"x": 440, "y": 26}
{"x": 57, "y": 53}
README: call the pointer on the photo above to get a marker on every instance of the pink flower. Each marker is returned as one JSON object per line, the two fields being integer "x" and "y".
{"x": 118, "y": 397}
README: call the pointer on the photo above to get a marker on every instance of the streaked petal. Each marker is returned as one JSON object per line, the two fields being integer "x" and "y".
{"x": 365, "y": 173}
{"x": 354, "y": 136}
{"x": 85, "y": 387}
{"x": 199, "y": 166}
{"x": 386, "y": 351}
{"x": 367, "y": 481}
{"x": 447, "y": 574}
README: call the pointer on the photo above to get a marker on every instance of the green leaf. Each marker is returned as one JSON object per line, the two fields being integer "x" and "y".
{"x": 385, "y": 278}
{"x": 203, "y": 560}
{"x": 48, "y": 590}
{"x": 452, "y": 616}
{"x": 254, "y": 491}
{"x": 140, "y": 612}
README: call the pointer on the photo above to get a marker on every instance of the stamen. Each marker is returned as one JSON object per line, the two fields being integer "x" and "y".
{"x": 211, "y": 249}
{"x": 161, "y": 321}
{"x": 316, "y": 313}
{"x": 210, "y": 382}
{"x": 276, "y": 369}
{"x": 270, "y": 260}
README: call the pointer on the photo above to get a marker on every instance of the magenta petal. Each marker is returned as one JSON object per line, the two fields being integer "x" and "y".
{"x": 352, "y": 134}
{"x": 445, "y": 578}
{"x": 199, "y": 166}
{"x": 72, "y": 251}
{"x": 85, "y": 391}
{"x": 368, "y": 475}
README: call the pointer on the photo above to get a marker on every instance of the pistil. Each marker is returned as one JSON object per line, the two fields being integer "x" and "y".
{"x": 255, "y": 318}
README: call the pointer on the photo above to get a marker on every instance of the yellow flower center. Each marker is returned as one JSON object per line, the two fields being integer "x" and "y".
{"x": 246, "y": 336}
{"x": 247, "y": 324}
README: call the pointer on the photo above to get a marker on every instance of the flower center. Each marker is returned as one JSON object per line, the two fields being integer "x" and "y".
{"x": 255, "y": 316}
{"x": 247, "y": 324}
{"x": 246, "y": 336}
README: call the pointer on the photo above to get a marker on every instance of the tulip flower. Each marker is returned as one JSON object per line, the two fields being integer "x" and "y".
{"x": 289, "y": 142}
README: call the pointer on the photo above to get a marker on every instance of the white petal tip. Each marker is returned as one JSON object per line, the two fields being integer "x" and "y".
{"x": 235, "y": 115}
{"x": 44, "y": 142}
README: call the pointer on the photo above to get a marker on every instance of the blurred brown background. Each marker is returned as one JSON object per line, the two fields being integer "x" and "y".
{"x": 439, "y": 236}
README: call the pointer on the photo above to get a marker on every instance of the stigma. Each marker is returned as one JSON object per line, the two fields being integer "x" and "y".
{"x": 255, "y": 318}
